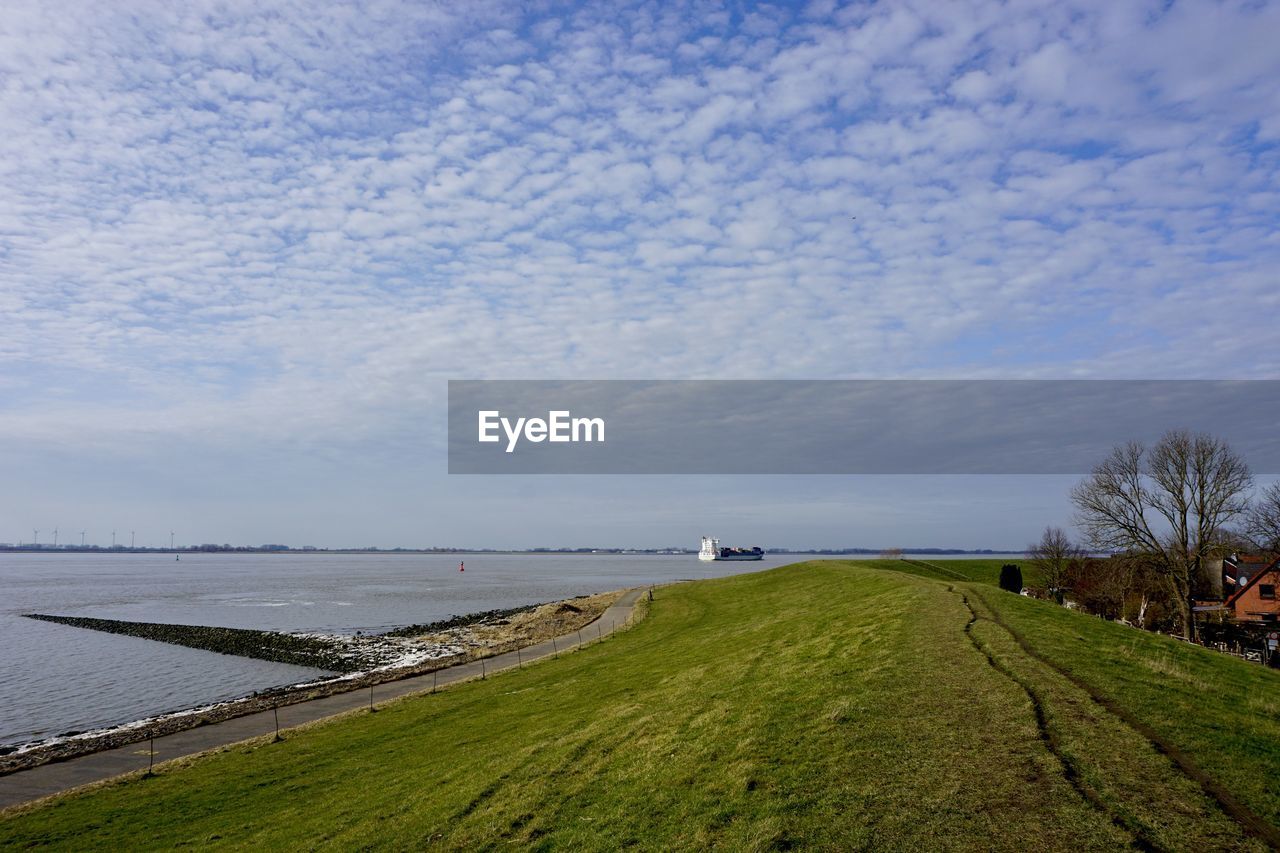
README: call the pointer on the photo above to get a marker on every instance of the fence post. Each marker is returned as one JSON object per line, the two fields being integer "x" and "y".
{"x": 519, "y": 658}
{"x": 579, "y": 636}
{"x": 435, "y": 673}
{"x": 371, "y": 708}
{"x": 151, "y": 761}
{"x": 482, "y": 668}
{"x": 555, "y": 651}
{"x": 275, "y": 712}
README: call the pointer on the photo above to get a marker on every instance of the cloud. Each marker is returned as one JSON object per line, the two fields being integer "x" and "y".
{"x": 213, "y": 214}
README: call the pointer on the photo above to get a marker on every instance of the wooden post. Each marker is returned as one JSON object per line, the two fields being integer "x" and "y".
{"x": 555, "y": 651}
{"x": 519, "y": 658}
{"x": 151, "y": 762}
{"x": 371, "y": 708}
{"x": 482, "y": 668}
{"x": 275, "y": 710}
{"x": 435, "y": 673}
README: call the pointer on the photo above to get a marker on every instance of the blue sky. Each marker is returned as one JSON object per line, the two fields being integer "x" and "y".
{"x": 243, "y": 245}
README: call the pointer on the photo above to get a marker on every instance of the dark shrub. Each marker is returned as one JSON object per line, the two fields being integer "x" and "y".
{"x": 1011, "y": 577}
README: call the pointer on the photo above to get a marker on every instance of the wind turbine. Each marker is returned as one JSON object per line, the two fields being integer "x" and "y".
{"x": 55, "y": 537}
{"x": 81, "y": 538}
{"x": 35, "y": 537}
{"x": 113, "y": 540}
{"x": 170, "y": 540}
{"x": 131, "y": 532}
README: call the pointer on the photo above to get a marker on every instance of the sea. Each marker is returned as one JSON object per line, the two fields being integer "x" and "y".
{"x": 56, "y": 680}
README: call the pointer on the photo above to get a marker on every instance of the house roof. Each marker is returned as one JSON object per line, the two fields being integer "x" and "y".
{"x": 1257, "y": 576}
{"x": 1237, "y": 570}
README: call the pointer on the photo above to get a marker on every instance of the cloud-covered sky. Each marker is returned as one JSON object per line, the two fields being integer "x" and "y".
{"x": 243, "y": 245}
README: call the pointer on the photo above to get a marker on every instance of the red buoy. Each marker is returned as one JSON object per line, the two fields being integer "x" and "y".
{"x": 462, "y": 567}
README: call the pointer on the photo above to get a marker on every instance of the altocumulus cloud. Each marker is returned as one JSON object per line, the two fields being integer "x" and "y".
{"x": 213, "y": 213}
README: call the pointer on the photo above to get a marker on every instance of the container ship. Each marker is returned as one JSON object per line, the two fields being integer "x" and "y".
{"x": 711, "y": 550}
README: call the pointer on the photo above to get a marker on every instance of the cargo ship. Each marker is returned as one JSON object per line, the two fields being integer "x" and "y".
{"x": 711, "y": 550}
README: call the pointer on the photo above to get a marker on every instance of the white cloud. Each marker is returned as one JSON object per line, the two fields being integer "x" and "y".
{"x": 222, "y": 214}
{"x": 975, "y": 86}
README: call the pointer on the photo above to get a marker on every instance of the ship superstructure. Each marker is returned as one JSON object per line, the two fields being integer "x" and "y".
{"x": 711, "y": 551}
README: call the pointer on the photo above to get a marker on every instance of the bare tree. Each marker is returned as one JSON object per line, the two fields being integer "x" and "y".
{"x": 1099, "y": 586}
{"x": 891, "y": 554}
{"x": 1169, "y": 505}
{"x": 1262, "y": 522}
{"x": 1116, "y": 586}
{"x": 1053, "y": 556}
{"x": 1148, "y": 586}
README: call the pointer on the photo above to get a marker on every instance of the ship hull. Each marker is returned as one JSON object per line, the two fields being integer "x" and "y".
{"x": 712, "y": 552}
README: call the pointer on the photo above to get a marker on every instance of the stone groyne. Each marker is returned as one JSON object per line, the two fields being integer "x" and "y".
{"x": 335, "y": 654}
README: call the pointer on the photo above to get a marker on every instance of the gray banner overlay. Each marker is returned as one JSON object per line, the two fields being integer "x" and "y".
{"x": 842, "y": 426}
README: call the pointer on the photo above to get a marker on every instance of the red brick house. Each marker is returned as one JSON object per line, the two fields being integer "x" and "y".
{"x": 1250, "y": 585}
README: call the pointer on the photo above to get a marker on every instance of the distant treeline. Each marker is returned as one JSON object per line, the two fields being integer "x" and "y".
{"x": 272, "y": 549}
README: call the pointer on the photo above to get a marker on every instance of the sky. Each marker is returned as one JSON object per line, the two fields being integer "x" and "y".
{"x": 243, "y": 246}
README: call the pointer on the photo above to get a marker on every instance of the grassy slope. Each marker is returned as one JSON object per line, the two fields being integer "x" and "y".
{"x": 822, "y": 704}
{"x": 1222, "y": 712}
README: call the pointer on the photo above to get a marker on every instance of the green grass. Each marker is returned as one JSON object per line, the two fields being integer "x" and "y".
{"x": 976, "y": 571}
{"x": 1224, "y": 712}
{"x": 825, "y": 704}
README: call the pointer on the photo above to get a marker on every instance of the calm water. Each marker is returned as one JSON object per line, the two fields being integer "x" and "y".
{"x": 56, "y": 678}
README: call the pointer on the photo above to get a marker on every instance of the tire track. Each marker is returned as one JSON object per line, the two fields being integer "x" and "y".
{"x": 1252, "y": 823}
{"x": 1141, "y": 836}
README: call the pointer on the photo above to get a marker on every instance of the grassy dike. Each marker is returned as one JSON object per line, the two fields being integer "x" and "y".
{"x": 829, "y": 703}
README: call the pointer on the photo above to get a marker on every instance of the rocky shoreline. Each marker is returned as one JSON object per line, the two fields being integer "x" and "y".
{"x": 359, "y": 661}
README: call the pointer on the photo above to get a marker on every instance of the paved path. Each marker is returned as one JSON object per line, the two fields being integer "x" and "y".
{"x": 26, "y": 785}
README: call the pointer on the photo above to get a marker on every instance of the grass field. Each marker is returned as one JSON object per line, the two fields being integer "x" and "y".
{"x": 831, "y": 704}
{"x": 976, "y": 571}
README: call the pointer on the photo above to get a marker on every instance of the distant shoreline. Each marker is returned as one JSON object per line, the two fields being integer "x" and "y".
{"x": 529, "y": 552}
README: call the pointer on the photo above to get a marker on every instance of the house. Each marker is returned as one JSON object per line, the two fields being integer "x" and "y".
{"x": 1249, "y": 584}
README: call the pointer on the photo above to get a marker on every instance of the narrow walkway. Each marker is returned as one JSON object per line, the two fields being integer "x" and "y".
{"x": 47, "y": 779}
